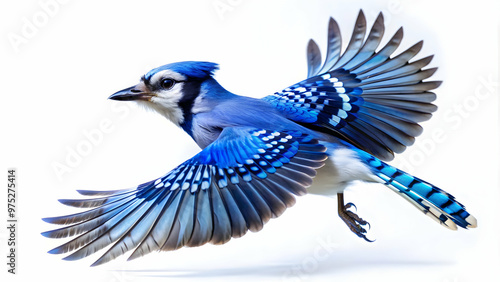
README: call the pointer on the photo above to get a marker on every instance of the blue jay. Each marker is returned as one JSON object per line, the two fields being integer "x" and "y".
{"x": 352, "y": 113}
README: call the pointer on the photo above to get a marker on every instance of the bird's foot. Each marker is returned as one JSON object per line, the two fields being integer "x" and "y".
{"x": 352, "y": 220}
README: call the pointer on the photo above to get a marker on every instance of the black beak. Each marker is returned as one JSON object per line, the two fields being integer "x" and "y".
{"x": 134, "y": 93}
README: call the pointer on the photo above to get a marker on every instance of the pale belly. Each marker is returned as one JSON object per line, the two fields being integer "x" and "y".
{"x": 341, "y": 168}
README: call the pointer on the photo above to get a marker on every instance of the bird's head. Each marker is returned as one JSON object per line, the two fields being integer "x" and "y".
{"x": 171, "y": 89}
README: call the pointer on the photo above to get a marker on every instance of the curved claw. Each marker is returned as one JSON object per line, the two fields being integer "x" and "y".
{"x": 350, "y": 204}
{"x": 360, "y": 232}
{"x": 366, "y": 239}
{"x": 369, "y": 226}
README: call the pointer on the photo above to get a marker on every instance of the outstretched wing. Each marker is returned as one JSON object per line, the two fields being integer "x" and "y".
{"x": 364, "y": 96}
{"x": 237, "y": 183}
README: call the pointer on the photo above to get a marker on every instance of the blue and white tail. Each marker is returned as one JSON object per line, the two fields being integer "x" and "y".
{"x": 432, "y": 201}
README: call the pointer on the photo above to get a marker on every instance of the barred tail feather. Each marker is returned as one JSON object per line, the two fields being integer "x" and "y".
{"x": 432, "y": 201}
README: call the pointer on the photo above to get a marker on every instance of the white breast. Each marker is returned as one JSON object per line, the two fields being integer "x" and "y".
{"x": 342, "y": 167}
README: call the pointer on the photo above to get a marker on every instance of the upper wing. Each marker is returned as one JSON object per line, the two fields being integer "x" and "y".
{"x": 237, "y": 183}
{"x": 373, "y": 101}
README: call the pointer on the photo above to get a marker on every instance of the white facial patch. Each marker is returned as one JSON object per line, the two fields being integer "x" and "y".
{"x": 166, "y": 101}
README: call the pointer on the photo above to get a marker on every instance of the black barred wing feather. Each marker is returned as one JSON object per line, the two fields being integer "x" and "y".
{"x": 367, "y": 97}
{"x": 239, "y": 182}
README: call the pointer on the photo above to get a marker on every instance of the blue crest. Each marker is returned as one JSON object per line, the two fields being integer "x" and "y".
{"x": 189, "y": 68}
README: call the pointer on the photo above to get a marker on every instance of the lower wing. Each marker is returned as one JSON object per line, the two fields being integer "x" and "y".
{"x": 239, "y": 182}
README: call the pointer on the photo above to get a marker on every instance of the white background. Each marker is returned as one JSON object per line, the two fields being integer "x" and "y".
{"x": 54, "y": 89}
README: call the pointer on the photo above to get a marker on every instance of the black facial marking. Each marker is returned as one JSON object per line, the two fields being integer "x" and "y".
{"x": 146, "y": 82}
{"x": 190, "y": 90}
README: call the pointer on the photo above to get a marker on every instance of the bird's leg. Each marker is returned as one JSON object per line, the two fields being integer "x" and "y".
{"x": 353, "y": 221}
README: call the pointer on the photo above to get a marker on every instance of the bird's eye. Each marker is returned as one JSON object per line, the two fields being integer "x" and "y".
{"x": 167, "y": 83}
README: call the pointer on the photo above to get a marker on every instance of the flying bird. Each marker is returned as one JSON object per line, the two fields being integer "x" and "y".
{"x": 352, "y": 113}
